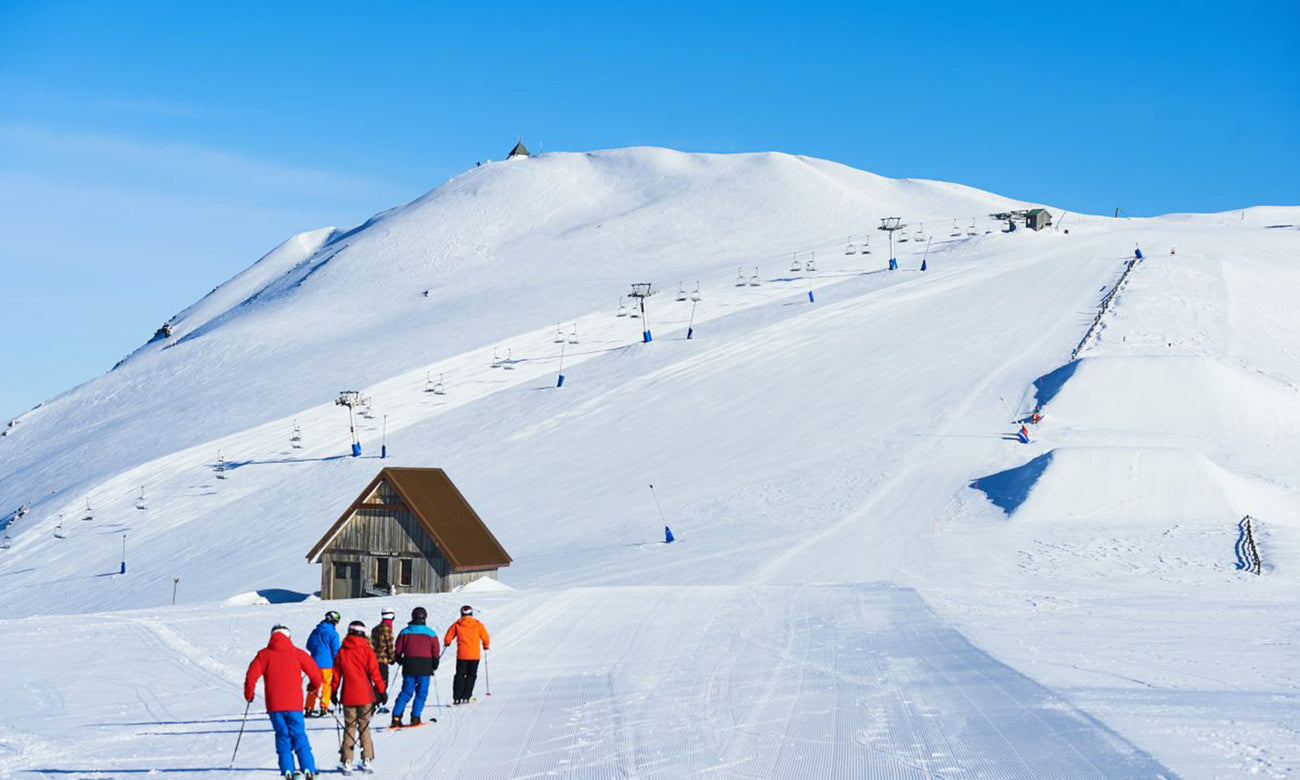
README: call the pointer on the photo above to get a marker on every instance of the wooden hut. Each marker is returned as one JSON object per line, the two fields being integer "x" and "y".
{"x": 410, "y": 531}
{"x": 1037, "y": 219}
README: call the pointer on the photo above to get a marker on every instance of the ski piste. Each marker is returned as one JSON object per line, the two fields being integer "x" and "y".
{"x": 872, "y": 489}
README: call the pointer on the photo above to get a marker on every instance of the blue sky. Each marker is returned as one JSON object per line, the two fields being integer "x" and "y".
{"x": 147, "y": 154}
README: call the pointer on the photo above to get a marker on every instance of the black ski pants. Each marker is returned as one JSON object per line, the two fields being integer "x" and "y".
{"x": 466, "y": 674}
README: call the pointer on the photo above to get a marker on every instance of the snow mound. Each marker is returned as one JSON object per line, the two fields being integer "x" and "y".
{"x": 1145, "y": 396}
{"x": 1094, "y": 484}
{"x": 482, "y": 585}
{"x": 268, "y": 596}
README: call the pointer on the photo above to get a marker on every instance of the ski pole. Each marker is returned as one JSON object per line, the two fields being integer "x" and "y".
{"x": 238, "y": 739}
{"x": 487, "y": 673}
{"x": 437, "y": 698}
{"x": 338, "y": 727}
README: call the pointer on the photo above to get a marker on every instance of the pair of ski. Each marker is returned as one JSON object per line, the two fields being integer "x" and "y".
{"x": 356, "y": 770}
{"x": 422, "y": 724}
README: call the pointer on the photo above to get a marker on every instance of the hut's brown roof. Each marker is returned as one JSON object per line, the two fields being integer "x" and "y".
{"x": 429, "y": 494}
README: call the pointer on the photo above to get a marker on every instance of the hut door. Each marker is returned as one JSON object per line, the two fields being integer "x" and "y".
{"x": 347, "y": 580}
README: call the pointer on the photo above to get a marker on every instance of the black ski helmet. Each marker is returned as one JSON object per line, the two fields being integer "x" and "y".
{"x": 333, "y": 617}
{"x": 419, "y": 615}
{"x": 467, "y": 610}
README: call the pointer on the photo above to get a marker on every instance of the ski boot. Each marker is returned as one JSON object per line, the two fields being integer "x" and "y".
{"x": 345, "y": 767}
{"x": 365, "y": 766}
{"x": 416, "y": 721}
{"x": 397, "y": 722}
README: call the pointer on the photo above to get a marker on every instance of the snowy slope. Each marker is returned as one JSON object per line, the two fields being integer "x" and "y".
{"x": 829, "y": 468}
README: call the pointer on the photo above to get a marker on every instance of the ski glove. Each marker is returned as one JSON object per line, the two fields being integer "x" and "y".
{"x": 383, "y": 698}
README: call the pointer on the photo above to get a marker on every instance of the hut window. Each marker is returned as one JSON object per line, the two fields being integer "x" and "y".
{"x": 404, "y": 572}
{"x": 381, "y": 571}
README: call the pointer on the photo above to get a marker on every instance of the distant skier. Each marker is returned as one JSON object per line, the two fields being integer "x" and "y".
{"x": 323, "y": 644}
{"x": 468, "y": 634}
{"x": 417, "y": 651}
{"x": 381, "y": 640}
{"x": 283, "y": 666}
{"x": 360, "y": 687}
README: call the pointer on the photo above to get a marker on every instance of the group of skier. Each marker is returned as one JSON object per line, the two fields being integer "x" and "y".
{"x": 352, "y": 674}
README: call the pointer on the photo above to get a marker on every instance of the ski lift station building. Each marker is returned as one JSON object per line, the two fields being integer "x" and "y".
{"x": 410, "y": 531}
{"x": 1037, "y": 219}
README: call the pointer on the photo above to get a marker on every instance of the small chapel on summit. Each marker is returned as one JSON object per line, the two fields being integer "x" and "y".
{"x": 410, "y": 531}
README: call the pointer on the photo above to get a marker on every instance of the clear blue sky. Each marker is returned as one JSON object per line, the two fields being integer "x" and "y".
{"x": 148, "y": 151}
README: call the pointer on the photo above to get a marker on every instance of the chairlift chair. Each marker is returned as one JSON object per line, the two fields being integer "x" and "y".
{"x": 795, "y": 265}
{"x": 866, "y": 246}
{"x": 920, "y": 235}
{"x": 849, "y": 248}
{"x": 295, "y": 440}
{"x": 695, "y": 294}
{"x": 681, "y": 291}
{"x": 970, "y": 231}
{"x": 139, "y": 502}
{"x": 810, "y": 264}
{"x": 559, "y": 334}
{"x": 6, "y": 542}
{"x": 509, "y": 364}
{"x": 956, "y": 231}
{"x": 634, "y": 312}
{"x": 438, "y": 388}
{"x": 902, "y": 237}
{"x": 741, "y": 281}
{"x": 754, "y": 281}
{"x": 573, "y": 336}
{"x": 496, "y": 360}
{"x": 58, "y": 529}
{"x": 89, "y": 514}
{"x": 622, "y": 308}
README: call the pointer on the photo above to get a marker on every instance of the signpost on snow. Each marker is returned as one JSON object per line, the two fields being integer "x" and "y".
{"x": 1022, "y": 435}
{"x": 559, "y": 382}
{"x": 668, "y": 534}
{"x": 641, "y": 291}
{"x": 350, "y": 399}
{"x": 890, "y": 225}
{"x": 695, "y": 302}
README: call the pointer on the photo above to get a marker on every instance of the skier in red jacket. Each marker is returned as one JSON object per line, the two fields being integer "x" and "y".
{"x": 283, "y": 665}
{"x": 361, "y": 686}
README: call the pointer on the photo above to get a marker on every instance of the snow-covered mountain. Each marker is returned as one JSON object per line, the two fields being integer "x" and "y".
{"x": 855, "y": 519}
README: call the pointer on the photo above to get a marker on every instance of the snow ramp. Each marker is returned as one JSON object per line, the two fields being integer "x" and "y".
{"x": 1113, "y": 483}
{"x": 1181, "y": 398}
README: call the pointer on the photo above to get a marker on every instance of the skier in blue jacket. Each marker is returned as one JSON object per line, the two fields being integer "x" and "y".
{"x": 323, "y": 644}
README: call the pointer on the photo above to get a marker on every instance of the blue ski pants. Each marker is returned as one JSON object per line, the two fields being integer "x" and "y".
{"x": 291, "y": 738}
{"x": 412, "y": 686}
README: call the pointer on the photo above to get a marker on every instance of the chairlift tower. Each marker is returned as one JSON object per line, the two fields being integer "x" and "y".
{"x": 891, "y": 225}
{"x": 352, "y": 399}
{"x": 641, "y": 291}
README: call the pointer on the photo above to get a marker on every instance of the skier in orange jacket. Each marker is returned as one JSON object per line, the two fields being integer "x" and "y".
{"x": 469, "y": 635}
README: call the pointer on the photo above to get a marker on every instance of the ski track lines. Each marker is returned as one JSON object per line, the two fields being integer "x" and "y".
{"x": 838, "y": 681}
{"x": 921, "y": 457}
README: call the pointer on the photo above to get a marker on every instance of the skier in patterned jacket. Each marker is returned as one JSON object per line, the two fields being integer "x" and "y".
{"x": 381, "y": 640}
